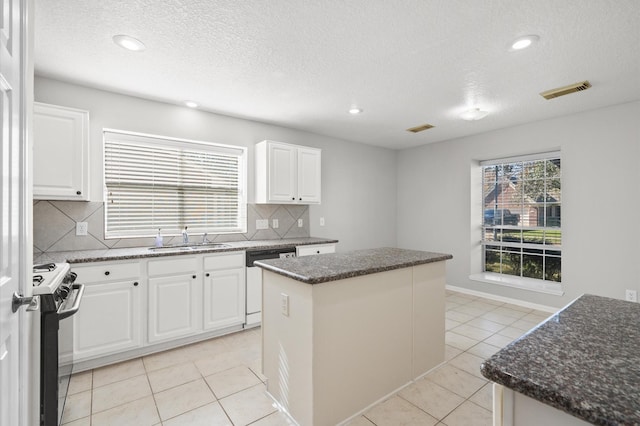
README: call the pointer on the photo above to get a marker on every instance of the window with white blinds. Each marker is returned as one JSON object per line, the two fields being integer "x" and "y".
{"x": 152, "y": 183}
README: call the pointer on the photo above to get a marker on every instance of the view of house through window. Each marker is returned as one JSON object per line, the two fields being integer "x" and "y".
{"x": 521, "y": 224}
{"x": 156, "y": 183}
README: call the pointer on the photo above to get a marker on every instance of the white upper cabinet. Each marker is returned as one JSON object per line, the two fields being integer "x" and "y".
{"x": 60, "y": 153}
{"x": 287, "y": 174}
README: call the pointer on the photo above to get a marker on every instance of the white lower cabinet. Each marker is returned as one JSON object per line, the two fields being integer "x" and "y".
{"x": 109, "y": 318}
{"x": 175, "y": 287}
{"x": 224, "y": 298}
{"x": 224, "y": 290}
{"x": 168, "y": 298}
{"x": 173, "y": 307}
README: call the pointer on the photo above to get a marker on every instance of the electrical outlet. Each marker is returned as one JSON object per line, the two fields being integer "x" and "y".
{"x": 284, "y": 300}
{"x": 300, "y": 223}
{"x": 275, "y": 224}
{"x": 322, "y": 221}
{"x": 262, "y": 223}
{"x": 631, "y": 296}
{"x": 82, "y": 228}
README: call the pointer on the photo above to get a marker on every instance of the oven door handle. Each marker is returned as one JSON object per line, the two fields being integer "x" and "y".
{"x": 76, "y": 303}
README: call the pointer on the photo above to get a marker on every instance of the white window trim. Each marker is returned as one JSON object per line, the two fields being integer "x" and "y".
{"x": 530, "y": 284}
{"x": 149, "y": 139}
{"x": 521, "y": 283}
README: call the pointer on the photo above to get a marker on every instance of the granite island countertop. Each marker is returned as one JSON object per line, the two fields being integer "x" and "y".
{"x": 86, "y": 256}
{"x": 584, "y": 360}
{"x": 338, "y": 266}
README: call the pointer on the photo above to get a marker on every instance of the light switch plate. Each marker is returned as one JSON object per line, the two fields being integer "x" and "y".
{"x": 275, "y": 224}
{"x": 82, "y": 228}
{"x": 300, "y": 223}
{"x": 322, "y": 221}
{"x": 262, "y": 223}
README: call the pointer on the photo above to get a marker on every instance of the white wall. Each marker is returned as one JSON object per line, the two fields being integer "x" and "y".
{"x": 439, "y": 209}
{"x": 358, "y": 181}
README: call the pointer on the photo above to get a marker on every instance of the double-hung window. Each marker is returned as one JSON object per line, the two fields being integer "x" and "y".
{"x": 153, "y": 182}
{"x": 521, "y": 218}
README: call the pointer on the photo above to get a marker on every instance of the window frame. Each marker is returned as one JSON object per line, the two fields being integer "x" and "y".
{"x": 519, "y": 281}
{"x": 149, "y": 140}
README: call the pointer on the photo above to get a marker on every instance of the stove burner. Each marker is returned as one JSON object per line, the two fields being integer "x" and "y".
{"x": 45, "y": 267}
{"x": 37, "y": 279}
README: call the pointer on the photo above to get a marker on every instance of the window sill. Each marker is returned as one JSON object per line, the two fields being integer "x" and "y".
{"x": 529, "y": 284}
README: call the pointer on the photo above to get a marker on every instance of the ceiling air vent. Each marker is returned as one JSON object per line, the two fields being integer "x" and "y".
{"x": 420, "y": 128}
{"x": 561, "y": 91}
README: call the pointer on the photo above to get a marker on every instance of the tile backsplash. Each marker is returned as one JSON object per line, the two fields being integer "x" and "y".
{"x": 54, "y": 226}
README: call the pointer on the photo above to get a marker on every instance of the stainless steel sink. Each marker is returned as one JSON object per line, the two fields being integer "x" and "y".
{"x": 189, "y": 247}
{"x": 171, "y": 248}
{"x": 209, "y": 245}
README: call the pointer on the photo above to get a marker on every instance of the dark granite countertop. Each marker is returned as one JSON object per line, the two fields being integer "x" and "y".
{"x": 85, "y": 256}
{"x": 338, "y": 266}
{"x": 584, "y": 360}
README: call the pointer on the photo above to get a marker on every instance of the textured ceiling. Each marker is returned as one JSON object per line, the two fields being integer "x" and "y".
{"x": 303, "y": 64}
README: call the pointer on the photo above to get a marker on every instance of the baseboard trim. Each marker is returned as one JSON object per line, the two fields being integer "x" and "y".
{"x": 518, "y": 302}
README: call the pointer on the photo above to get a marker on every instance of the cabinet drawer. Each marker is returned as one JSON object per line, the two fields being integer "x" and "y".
{"x": 173, "y": 265}
{"x": 315, "y": 249}
{"x": 224, "y": 261}
{"x": 101, "y": 272}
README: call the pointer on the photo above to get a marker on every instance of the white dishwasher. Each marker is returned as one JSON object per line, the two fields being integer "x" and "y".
{"x": 254, "y": 281}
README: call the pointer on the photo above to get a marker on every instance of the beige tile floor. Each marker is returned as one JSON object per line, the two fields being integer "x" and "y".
{"x": 218, "y": 382}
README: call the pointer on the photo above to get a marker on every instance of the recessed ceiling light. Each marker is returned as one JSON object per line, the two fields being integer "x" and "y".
{"x": 474, "y": 114}
{"x": 355, "y": 111}
{"x": 128, "y": 42}
{"x": 191, "y": 104}
{"x": 523, "y": 42}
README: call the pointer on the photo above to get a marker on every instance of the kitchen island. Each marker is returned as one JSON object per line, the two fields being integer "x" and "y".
{"x": 580, "y": 366}
{"x": 343, "y": 331}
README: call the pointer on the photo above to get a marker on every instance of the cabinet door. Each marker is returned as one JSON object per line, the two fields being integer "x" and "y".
{"x": 224, "y": 298}
{"x": 108, "y": 320}
{"x": 309, "y": 176}
{"x": 282, "y": 173}
{"x": 60, "y": 153}
{"x": 173, "y": 307}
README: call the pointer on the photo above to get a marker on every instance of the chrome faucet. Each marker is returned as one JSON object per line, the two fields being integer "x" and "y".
{"x": 204, "y": 238}
{"x": 185, "y": 236}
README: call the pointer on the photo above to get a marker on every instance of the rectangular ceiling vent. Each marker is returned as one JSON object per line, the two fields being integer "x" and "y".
{"x": 420, "y": 128}
{"x": 561, "y": 91}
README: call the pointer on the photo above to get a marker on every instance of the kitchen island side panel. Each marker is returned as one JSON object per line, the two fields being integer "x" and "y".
{"x": 362, "y": 342}
{"x": 428, "y": 316}
{"x": 287, "y": 345}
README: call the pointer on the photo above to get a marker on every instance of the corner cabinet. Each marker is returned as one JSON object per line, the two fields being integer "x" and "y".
{"x": 287, "y": 174}
{"x": 60, "y": 153}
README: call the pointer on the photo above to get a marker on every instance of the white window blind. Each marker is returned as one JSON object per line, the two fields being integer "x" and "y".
{"x": 155, "y": 183}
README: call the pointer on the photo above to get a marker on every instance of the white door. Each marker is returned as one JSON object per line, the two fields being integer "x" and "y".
{"x": 109, "y": 320}
{"x": 173, "y": 307}
{"x": 14, "y": 213}
{"x": 309, "y": 176}
{"x": 224, "y": 299}
{"x": 282, "y": 173}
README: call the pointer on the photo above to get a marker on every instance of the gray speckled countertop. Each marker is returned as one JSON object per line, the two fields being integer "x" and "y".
{"x": 584, "y": 360}
{"x": 338, "y": 266}
{"x": 85, "y": 256}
